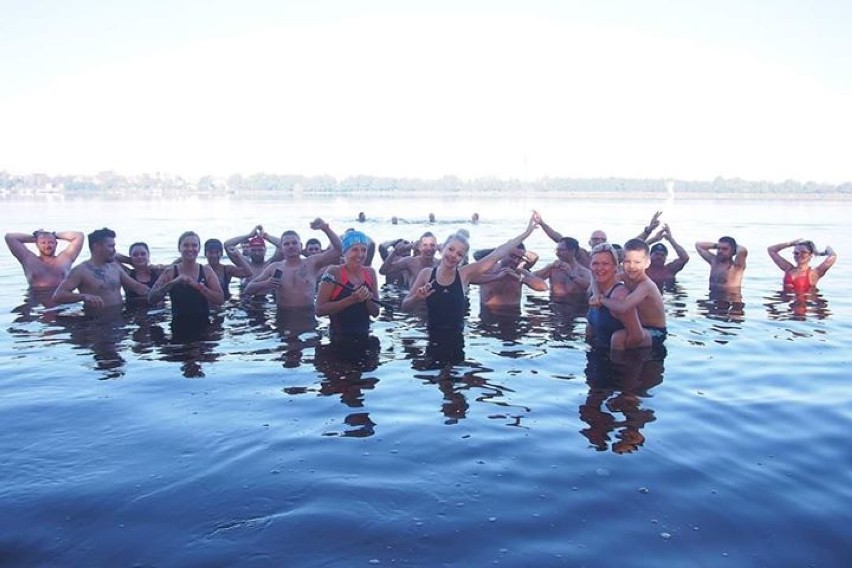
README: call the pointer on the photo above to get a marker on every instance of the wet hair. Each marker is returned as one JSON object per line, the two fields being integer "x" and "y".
{"x": 482, "y": 253}
{"x": 570, "y": 243}
{"x": 185, "y": 235}
{"x": 637, "y": 244}
{"x": 606, "y": 248}
{"x": 100, "y": 235}
{"x": 730, "y": 241}
{"x": 139, "y": 244}
{"x": 619, "y": 252}
{"x": 455, "y": 236}
{"x": 290, "y": 232}
{"x": 660, "y": 247}
{"x": 428, "y": 234}
{"x": 313, "y": 241}
{"x": 213, "y": 244}
{"x": 809, "y": 245}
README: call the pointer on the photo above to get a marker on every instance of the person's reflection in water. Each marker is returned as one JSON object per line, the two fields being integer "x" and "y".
{"x": 101, "y": 332}
{"x": 797, "y": 306}
{"x": 618, "y": 386}
{"x": 723, "y": 305}
{"x": 38, "y": 306}
{"x": 342, "y": 364}
{"x": 297, "y": 328}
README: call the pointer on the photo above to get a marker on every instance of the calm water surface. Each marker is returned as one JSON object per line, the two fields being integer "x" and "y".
{"x": 256, "y": 447}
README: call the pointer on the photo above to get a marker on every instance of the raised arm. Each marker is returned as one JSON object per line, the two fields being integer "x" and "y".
{"x": 682, "y": 255}
{"x": 473, "y": 270}
{"x": 649, "y": 228}
{"x": 17, "y": 245}
{"x": 775, "y": 254}
{"x": 241, "y": 267}
{"x": 75, "y": 244}
{"x": 234, "y": 241}
{"x": 740, "y": 257}
{"x": 548, "y": 230}
{"x": 828, "y": 262}
{"x": 704, "y": 248}
{"x": 330, "y": 255}
{"x": 391, "y": 262}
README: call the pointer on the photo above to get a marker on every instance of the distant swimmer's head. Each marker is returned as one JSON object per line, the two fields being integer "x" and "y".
{"x": 361, "y": 217}
{"x": 727, "y": 247}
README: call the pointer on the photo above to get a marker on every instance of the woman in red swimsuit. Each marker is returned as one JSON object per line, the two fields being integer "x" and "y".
{"x": 800, "y": 277}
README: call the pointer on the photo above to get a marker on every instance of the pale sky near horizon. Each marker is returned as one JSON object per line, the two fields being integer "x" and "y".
{"x": 691, "y": 90}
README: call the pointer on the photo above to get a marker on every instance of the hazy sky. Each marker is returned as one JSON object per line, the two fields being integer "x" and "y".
{"x": 755, "y": 89}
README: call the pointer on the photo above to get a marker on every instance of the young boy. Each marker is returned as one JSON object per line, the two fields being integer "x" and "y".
{"x": 644, "y": 296}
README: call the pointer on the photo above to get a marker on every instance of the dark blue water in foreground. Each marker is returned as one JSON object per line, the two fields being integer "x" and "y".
{"x": 254, "y": 448}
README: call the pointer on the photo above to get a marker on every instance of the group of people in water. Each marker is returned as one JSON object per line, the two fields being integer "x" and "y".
{"x": 622, "y": 285}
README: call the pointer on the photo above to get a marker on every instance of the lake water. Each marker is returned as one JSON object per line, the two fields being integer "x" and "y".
{"x": 118, "y": 448}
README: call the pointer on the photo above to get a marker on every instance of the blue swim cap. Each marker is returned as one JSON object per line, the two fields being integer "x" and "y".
{"x": 351, "y": 238}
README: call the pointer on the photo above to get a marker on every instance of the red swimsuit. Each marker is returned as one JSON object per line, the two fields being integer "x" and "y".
{"x": 799, "y": 284}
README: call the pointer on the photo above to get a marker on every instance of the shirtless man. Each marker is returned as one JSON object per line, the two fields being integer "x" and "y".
{"x": 99, "y": 279}
{"x": 47, "y": 269}
{"x": 256, "y": 240}
{"x": 568, "y": 278}
{"x": 294, "y": 279}
{"x": 662, "y": 273}
{"x": 643, "y": 296}
{"x": 727, "y": 265}
{"x": 410, "y": 267}
{"x": 402, "y": 249}
{"x": 501, "y": 285}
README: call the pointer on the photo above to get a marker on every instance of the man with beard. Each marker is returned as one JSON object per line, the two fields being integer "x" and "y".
{"x": 47, "y": 269}
{"x": 256, "y": 241}
{"x": 568, "y": 278}
{"x": 727, "y": 265}
{"x": 99, "y": 279}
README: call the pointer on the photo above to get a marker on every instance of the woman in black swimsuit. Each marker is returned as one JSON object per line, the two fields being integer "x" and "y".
{"x": 191, "y": 287}
{"x": 444, "y": 290}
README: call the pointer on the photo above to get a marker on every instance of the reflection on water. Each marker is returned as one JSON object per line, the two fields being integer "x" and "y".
{"x": 618, "y": 385}
{"x": 101, "y": 334}
{"x": 784, "y": 306}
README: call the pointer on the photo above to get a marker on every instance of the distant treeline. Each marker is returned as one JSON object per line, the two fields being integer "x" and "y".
{"x": 111, "y": 182}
